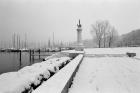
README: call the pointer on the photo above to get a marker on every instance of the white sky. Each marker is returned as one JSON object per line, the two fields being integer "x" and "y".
{"x": 40, "y": 18}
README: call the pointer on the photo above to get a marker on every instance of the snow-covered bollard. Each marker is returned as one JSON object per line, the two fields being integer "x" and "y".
{"x": 130, "y": 54}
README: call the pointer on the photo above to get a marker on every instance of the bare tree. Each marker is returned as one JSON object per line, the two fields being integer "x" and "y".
{"x": 112, "y": 35}
{"x": 102, "y": 31}
{"x": 105, "y": 31}
{"x": 99, "y": 31}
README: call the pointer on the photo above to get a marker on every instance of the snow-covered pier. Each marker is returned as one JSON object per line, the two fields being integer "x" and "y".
{"x": 108, "y": 74}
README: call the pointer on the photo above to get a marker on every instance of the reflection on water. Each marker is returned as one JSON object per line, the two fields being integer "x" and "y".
{"x": 11, "y": 61}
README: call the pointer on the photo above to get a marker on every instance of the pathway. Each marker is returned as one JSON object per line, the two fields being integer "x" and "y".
{"x": 107, "y": 75}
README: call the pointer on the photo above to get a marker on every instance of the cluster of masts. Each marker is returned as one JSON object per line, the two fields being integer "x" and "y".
{"x": 19, "y": 43}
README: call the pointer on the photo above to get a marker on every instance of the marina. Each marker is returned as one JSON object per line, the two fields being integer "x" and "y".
{"x": 69, "y": 46}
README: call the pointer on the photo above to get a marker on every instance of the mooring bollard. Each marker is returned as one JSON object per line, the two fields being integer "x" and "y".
{"x": 20, "y": 58}
{"x": 39, "y": 53}
{"x": 30, "y": 56}
{"x": 33, "y": 55}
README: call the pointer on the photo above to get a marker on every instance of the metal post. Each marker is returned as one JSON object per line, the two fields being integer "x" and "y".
{"x": 33, "y": 55}
{"x": 39, "y": 53}
{"x": 20, "y": 58}
{"x": 30, "y": 55}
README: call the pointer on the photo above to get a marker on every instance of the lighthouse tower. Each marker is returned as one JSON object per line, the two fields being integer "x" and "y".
{"x": 79, "y": 37}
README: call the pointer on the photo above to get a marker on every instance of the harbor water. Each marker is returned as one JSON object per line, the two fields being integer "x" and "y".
{"x": 10, "y": 61}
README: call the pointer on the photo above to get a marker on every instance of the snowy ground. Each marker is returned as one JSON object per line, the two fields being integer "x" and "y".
{"x": 108, "y": 74}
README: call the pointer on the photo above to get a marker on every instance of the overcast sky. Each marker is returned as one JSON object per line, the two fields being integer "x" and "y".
{"x": 40, "y": 18}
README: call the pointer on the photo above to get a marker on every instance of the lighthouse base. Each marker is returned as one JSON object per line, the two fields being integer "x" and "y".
{"x": 79, "y": 47}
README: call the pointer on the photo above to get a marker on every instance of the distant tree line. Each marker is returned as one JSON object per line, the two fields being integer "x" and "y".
{"x": 131, "y": 39}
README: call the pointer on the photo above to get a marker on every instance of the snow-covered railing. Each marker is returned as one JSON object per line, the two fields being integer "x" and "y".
{"x": 30, "y": 77}
{"x": 61, "y": 81}
{"x": 57, "y": 55}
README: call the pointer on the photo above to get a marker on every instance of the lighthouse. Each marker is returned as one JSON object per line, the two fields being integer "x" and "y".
{"x": 79, "y": 33}
{"x": 79, "y": 37}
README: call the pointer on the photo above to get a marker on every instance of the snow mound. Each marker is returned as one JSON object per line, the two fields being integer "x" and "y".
{"x": 29, "y": 76}
{"x": 57, "y": 83}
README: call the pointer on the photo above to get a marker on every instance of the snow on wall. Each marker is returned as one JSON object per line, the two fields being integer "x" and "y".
{"x": 57, "y": 83}
{"x": 17, "y": 82}
{"x": 122, "y": 50}
{"x": 73, "y": 51}
{"x": 57, "y": 55}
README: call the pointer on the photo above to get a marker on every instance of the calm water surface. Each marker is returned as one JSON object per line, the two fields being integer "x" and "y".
{"x": 11, "y": 61}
